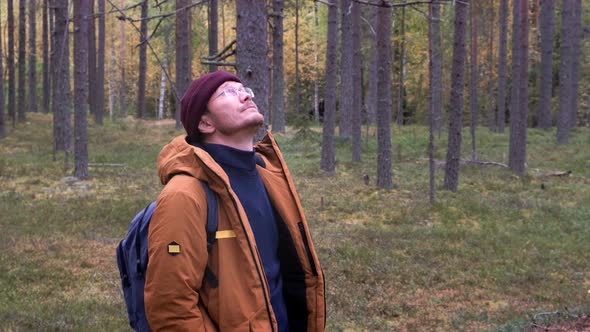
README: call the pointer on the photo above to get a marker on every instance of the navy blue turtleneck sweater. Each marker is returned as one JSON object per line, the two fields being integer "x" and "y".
{"x": 245, "y": 181}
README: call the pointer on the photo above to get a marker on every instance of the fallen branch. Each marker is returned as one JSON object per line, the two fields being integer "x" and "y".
{"x": 105, "y": 165}
{"x": 556, "y": 173}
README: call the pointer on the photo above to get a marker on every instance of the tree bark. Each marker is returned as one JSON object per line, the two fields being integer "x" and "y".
{"x": 565, "y": 72}
{"x": 297, "y": 79}
{"x": 436, "y": 58}
{"x": 346, "y": 94}
{"x": 502, "y": 55}
{"x": 92, "y": 83}
{"x": 278, "y": 100}
{"x": 141, "y": 113}
{"x": 98, "y": 116}
{"x": 451, "y": 181}
{"x": 21, "y": 104}
{"x": 81, "y": 18}
{"x": 123, "y": 82}
{"x": 576, "y": 53}
{"x": 251, "y": 53}
{"x": 162, "y": 99}
{"x": 357, "y": 81}
{"x": 384, "y": 162}
{"x": 519, "y": 115}
{"x": 490, "y": 72}
{"x": 183, "y": 59}
{"x": 402, "y": 59}
{"x": 316, "y": 111}
{"x": 45, "y": 37}
{"x": 213, "y": 6}
{"x": 10, "y": 64}
{"x": 546, "y": 83}
{"x": 60, "y": 66}
{"x": 474, "y": 75}
{"x": 327, "y": 160}
{"x": 433, "y": 57}
{"x": 32, "y": 58}
{"x": 371, "y": 92}
{"x": 2, "y": 105}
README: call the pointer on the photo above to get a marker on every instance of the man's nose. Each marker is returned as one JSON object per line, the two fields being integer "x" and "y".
{"x": 244, "y": 96}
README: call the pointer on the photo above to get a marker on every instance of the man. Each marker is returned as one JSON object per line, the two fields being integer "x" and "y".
{"x": 266, "y": 274}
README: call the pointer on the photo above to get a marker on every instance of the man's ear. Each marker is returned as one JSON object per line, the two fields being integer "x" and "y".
{"x": 206, "y": 125}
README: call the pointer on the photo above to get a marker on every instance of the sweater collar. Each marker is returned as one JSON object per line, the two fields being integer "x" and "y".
{"x": 231, "y": 157}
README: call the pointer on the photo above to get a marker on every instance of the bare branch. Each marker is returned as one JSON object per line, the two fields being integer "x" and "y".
{"x": 388, "y": 4}
{"x": 219, "y": 63}
{"x": 172, "y": 86}
{"x": 162, "y": 15}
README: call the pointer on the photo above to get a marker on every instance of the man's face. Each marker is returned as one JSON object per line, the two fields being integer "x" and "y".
{"x": 231, "y": 110}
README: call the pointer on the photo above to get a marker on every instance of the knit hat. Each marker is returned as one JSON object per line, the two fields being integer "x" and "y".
{"x": 194, "y": 102}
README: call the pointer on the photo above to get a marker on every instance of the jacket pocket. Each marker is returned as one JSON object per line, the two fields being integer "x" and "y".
{"x": 307, "y": 249}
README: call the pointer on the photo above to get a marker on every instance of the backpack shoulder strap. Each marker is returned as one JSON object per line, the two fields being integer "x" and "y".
{"x": 211, "y": 229}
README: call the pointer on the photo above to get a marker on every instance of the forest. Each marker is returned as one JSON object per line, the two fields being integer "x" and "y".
{"x": 441, "y": 149}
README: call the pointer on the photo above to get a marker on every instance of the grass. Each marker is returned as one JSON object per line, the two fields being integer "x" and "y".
{"x": 488, "y": 257}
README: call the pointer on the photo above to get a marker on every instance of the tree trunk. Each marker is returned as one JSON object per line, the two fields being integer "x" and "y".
{"x": 519, "y": 115}
{"x": 278, "y": 101}
{"x": 32, "y": 58}
{"x": 436, "y": 58}
{"x": 2, "y": 105}
{"x": 100, "y": 65}
{"x": 371, "y": 92}
{"x": 546, "y": 83}
{"x": 45, "y": 37}
{"x": 251, "y": 53}
{"x": 297, "y": 80}
{"x": 183, "y": 52}
{"x": 21, "y": 104}
{"x": 451, "y": 181}
{"x": 474, "y": 76}
{"x": 10, "y": 64}
{"x": 316, "y": 111}
{"x": 502, "y": 55}
{"x": 565, "y": 73}
{"x": 141, "y": 113}
{"x": 490, "y": 72}
{"x": 402, "y": 59}
{"x": 576, "y": 53}
{"x": 92, "y": 83}
{"x": 112, "y": 74}
{"x": 213, "y": 18}
{"x": 433, "y": 57}
{"x": 123, "y": 83}
{"x": 327, "y": 161}
{"x": 384, "y": 162}
{"x": 346, "y": 94}
{"x": 163, "y": 80}
{"x": 357, "y": 81}
{"x": 60, "y": 66}
{"x": 81, "y": 18}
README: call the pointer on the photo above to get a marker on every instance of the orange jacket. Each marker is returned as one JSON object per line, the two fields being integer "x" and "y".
{"x": 177, "y": 297}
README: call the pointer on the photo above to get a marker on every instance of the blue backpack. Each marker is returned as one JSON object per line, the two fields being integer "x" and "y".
{"x": 132, "y": 259}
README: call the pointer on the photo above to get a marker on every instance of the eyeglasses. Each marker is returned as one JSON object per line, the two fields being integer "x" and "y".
{"x": 235, "y": 92}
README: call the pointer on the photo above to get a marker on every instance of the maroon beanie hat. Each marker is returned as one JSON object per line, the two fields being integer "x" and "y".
{"x": 194, "y": 102}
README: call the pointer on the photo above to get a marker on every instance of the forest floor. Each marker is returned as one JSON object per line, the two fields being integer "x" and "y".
{"x": 503, "y": 253}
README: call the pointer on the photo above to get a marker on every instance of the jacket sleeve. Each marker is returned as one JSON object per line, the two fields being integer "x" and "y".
{"x": 172, "y": 279}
